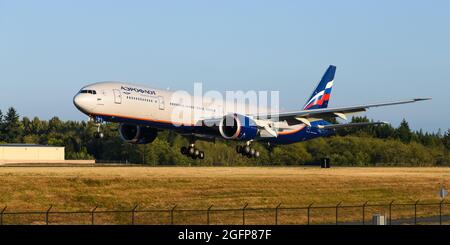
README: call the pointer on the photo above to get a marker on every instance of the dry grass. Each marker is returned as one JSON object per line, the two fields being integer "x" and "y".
{"x": 75, "y": 188}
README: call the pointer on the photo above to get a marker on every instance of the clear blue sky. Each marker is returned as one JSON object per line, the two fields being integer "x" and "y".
{"x": 383, "y": 50}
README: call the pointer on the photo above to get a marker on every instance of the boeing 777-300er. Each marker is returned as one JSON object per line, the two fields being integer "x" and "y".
{"x": 142, "y": 112}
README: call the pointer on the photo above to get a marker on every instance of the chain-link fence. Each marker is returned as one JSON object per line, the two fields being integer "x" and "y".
{"x": 391, "y": 213}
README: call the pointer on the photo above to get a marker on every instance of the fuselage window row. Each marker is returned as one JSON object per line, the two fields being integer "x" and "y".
{"x": 141, "y": 99}
{"x": 172, "y": 104}
{"x": 192, "y": 107}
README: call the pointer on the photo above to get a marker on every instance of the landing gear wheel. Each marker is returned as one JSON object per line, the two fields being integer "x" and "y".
{"x": 98, "y": 135}
{"x": 196, "y": 152}
{"x": 247, "y": 149}
{"x": 239, "y": 149}
{"x": 191, "y": 151}
{"x": 184, "y": 150}
{"x": 256, "y": 154}
{"x": 252, "y": 152}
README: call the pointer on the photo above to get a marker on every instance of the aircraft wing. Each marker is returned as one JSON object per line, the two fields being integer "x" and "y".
{"x": 266, "y": 121}
{"x": 305, "y": 116}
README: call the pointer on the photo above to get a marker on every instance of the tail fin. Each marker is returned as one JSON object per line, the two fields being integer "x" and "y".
{"x": 321, "y": 95}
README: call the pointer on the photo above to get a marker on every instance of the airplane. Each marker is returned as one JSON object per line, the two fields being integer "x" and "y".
{"x": 142, "y": 112}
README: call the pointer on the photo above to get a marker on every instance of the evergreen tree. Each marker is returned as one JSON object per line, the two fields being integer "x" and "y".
{"x": 385, "y": 131}
{"x": 2, "y": 131}
{"x": 12, "y": 127}
{"x": 26, "y": 125}
{"x": 36, "y": 126}
{"x": 54, "y": 124}
{"x": 404, "y": 132}
{"x": 446, "y": 140}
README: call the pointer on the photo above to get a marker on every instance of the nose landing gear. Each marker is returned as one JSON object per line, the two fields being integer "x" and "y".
{"x": 98, "y": 135}
{"x": 98, "y": 121}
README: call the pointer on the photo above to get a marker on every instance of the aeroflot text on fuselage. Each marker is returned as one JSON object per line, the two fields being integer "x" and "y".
{"x": 139, "y": 90}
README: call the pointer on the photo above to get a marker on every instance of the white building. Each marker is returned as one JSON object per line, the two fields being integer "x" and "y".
{"x": 30, "y": 153}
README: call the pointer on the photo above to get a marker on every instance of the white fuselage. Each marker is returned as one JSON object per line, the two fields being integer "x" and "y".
{"x": 124, "y": 100}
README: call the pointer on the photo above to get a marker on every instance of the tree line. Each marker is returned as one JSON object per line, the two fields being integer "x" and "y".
{"x": 357, "y": 146}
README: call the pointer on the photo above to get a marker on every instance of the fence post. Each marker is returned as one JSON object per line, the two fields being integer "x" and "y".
{"x": 390, "y": 212}
{"x": 171, "y": 214}
{"x": 1, "y": 215}
{"x": 309, "y": 210}
{"x": 337, "y": 207}
{"x": 415, "y": 212}
{"x": 132, "y": 213}
{"x": 207, "y": 214}
{"x": 92, "y": 214}
{"x": 243, "y": 213}
{"x": 276, "y": 213}
{"x": 364, "y": 212}
{"x": 440, "y": 211}
{"x": 46, "y": 214}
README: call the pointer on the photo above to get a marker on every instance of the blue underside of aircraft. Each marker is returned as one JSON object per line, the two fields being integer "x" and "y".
{"x": 306, "y": 133}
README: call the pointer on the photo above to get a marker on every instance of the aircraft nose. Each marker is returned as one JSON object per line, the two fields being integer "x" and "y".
{"x": 82, "y": 102}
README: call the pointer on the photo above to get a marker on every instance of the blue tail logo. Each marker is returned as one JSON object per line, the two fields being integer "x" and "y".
{"x": 321, "y": 95}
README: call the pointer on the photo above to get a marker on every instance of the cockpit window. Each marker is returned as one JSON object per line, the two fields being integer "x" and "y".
{"x": 88, "y": 92}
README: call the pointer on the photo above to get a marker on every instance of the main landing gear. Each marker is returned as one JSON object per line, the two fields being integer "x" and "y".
{"x": 247, "y": 150}
{"x": 192, "y": 152}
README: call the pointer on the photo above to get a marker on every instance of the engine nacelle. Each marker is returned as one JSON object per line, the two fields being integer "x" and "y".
{"x": 136, "y": 134}
{"x": 238, "y": 127}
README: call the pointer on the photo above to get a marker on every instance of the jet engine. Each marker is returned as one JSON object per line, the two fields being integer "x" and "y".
{"x": 136, "y": 134}
{"x": 238, "y": 127}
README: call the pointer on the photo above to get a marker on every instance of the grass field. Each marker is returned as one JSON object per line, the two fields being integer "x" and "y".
{"x": 75, "y": 188}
